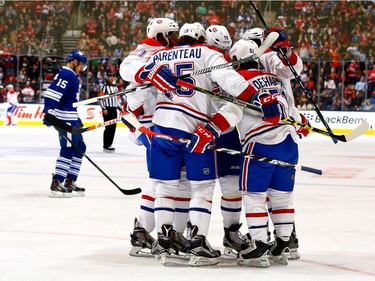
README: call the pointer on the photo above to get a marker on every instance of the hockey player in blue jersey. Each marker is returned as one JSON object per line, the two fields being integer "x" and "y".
{"x": 58, "y": 101}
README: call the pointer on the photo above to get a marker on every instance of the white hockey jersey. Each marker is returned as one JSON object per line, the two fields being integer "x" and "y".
{"x": 141, "y": 102}
{"x": 252, "y": 128}
{"x": 188, "y": 107}
{"x": 138, "y": 58}
{"x": 273, "y": 64}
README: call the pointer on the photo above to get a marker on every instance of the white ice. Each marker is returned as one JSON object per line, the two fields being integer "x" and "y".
{"x": 87, "y": 238}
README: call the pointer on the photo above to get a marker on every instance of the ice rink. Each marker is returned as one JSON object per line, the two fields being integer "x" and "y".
{"x": 87, "y": 238}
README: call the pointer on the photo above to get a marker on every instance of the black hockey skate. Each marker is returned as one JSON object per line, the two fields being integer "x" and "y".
{"x": 234, "y": 241}
{"x": 256, "y": 255}
{"x": 201, "y": 251}
{"x": 279, "y": 251}
{"x": 293, "y": 245}
{"x": 163, "y": 246}
{"x": 73, "y": 188}
{"x": 180, "y": 245}
{"x": 58, "y": 190}
{"x": 141, "y": 241}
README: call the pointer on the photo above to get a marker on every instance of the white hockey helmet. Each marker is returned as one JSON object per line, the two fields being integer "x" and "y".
{"x": 189, "y": 29}
{"x": 202, "y": 31}
{"x": 242, "y": 49}
{"x": 254, "y": 33}
{"x": 161, "y": 25}
{"x": 218, "y": 36}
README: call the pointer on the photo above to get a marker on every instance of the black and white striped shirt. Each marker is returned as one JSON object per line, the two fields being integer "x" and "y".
{"x": 109, "y": 90}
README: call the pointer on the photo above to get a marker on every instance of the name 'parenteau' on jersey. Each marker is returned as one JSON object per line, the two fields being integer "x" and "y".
{"x": 178, "y": 53}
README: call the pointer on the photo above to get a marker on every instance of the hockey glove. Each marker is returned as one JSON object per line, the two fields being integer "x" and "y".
{"x": 270, "y": 106}
{"x": 45, "y": 122}
{"x": 281, "y": 42}
{"x": 48, "y": 111}
{"x": 303, "y": 132}
{"x": 202, "y": 137}
{"x": 80, "y": 123}
{"x": 160, "y": 76}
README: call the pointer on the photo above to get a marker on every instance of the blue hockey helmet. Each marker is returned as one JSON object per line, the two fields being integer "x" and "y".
{"x": 77, "y": 55}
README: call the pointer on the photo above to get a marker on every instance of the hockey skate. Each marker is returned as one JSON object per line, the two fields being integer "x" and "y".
{"x": 180, "y": 245}
{"x": 73, "y": 188}
{"x": 162, "y": 247}
{"x": 279, "y": 251}
{"x": 293, "y": 245}
{"x": 202, "y": 254}
{"x": 256, "y": 255}
{"x": 58, "y": 190}
{"x": 234, "y": 241}
{"x": 141, "y": 241}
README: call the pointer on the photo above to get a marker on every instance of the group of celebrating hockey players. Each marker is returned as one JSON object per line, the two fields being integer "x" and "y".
{"x": 178, "y": 197}
{"x": 177, "y": 200}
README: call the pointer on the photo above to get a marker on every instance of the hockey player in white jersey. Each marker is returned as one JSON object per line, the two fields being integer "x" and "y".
{"x": 228, "y": 166}
{"x": 12, "y": 100}
{"x": 161, "y": 32}
{"x": 264, "y": 135}
{"x": 186, "y": 113}
{"x": 273, "y": 62}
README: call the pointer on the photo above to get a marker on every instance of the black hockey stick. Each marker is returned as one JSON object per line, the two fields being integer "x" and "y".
{"x": 296, "y": 76}
{"x": 358, "y": 131}
{"x": 135, "y": 123}
{"x": 58, "y": 124}
{"x": 267, "y": 43}
{"x": 124, "y": 92}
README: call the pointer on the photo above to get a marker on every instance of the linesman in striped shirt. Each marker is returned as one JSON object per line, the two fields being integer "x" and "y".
{"x": 109, "y": 109}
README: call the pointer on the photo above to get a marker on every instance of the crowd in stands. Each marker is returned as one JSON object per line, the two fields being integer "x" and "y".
{"x": 335, "y": 39}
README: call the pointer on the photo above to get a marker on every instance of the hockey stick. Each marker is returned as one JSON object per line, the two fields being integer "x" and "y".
{"x": 358, "y": 131}
{"x": 124, "y": 92}
{"x": 267, "y": 43}
{"x": 75, "y": 131}
{"x": 138, "y": 126}
{"x": 57, "y": 123}
{"x": 296, "y": 76}
{"x": 134, "y": 122}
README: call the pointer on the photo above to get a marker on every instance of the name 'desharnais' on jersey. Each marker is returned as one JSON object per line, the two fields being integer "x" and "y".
{"x": 266, "y": 81}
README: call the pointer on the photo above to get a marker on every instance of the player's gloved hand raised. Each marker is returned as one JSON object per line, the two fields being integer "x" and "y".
{"x": 271, "y": 108}
{"x": 281, "y": 42}
{"x": 160, "y": 76}
{"x": 202, "y": 137}
{"x": 303, "y": 132}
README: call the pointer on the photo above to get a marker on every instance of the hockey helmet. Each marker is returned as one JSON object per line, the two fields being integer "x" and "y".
{"x": 202, "y": 32}
{"x": 189, "y": 29}
{"x": 255, "y": 33}
{"x": 161, "y": 25}
{"x": 218, "y": 36}
{"x": 77, "y": 55}
{"x": 242, "y": 49}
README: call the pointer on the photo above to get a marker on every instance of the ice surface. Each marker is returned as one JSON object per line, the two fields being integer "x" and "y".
{"x": 87, "y": 238}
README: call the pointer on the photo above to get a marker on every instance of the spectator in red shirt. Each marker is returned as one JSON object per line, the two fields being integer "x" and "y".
{"x": 351, "y": 72}
{"x": 371, "y": 80}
